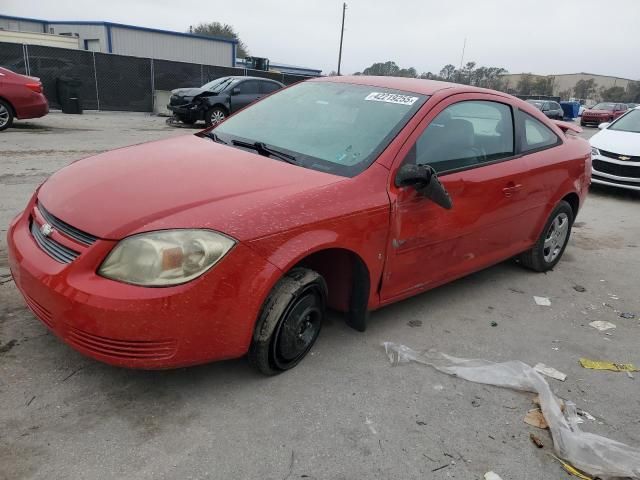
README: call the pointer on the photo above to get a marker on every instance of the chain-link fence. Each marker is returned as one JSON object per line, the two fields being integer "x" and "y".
{"x": 115, "y": 82}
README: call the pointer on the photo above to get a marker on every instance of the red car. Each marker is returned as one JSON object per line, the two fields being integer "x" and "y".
{"x": 345, "y": 192}
{"x": 603, "y": 112}
{"x": 20, "y": 97}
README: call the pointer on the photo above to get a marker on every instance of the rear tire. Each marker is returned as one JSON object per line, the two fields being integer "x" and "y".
{"x": 6, "y": 115}
{"x": 214, "y": 116}
{"x": 548, "y": 250}
{"x": 289, "y": 322}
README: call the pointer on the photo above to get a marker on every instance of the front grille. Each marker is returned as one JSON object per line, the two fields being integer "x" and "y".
{"x": 55, "y": 250}
{"x": 39, "y": 311}
{"x": 618, "y": 155}
{"x": 629, "y": 171}
{"x": 121, "y": 349}
{"x": 65, "y": 228}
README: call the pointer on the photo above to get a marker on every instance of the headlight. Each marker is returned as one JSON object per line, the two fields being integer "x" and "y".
{"x": 165, "y": 257}
{"x": 594, "y": 151}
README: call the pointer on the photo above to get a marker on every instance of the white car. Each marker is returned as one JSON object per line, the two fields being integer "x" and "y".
{"x": 615, "y": 151}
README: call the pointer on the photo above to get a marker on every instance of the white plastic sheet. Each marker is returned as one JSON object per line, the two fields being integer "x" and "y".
{"x": 596, "y": 455}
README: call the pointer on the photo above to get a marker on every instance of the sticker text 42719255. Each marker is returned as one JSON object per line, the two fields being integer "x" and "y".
{"x": 391, "y": 98}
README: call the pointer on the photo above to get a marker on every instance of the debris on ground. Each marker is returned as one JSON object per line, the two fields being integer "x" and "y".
{"x": 585, "y": 414}
{"x": 494, "y": 324}
{"x": 516, "y": 290}
{"x": 536, "y": 440}
{"x": 572, "y": 470}
{"x": 602, "y": 325}
{"x": 627, "y": 315}
{"x": 492, "y": 476}
{"x": 582, "y": 451}
{"x": 414, "y": 323}
{"x": 614, "y": 367}
{"x": 550, "y": 372}
{"x": 535, "y": 418}
{"x": 542, "y": 301}
{"x": 579, "y": 288}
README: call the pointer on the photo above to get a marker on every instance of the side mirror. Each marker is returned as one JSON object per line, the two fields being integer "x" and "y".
{"x": 424, "y": 179}
{"x": 235, "y": 91}
{"x": 604, "y": 125}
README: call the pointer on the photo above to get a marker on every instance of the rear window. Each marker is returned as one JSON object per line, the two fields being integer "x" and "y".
{"x": 537, "y": 135}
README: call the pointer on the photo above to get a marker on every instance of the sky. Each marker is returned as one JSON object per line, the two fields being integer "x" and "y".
{"x": 539, "y": 36}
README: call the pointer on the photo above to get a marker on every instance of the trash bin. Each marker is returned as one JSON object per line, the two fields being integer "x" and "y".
{"x": 67, "y": 90}
{"x": 570, "y": 109}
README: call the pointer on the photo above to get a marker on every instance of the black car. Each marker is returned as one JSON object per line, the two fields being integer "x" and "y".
{"x": 550, "y": 108}
{"x": 213, "y": 101}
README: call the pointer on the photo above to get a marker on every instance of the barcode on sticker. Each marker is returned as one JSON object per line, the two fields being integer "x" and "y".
{"x": 391, "y": 98}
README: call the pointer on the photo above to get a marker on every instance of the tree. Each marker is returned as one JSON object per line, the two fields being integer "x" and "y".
{"x": 525, "y": 84}
{"x": 633, "y": 92}
{"x": 384, "y": 69}
{"x": 543, "y": 86}
{"x": 585, "y": 89}
{"x": 566, "y": 94}
{"x": 224, "y": 30}
{"x": 613, "y": 94}
{"x": 448, "y": 73}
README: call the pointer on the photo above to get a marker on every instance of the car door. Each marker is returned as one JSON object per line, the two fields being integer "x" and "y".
{"x": 244, "y": 93}
{"x": 469, "y": 140}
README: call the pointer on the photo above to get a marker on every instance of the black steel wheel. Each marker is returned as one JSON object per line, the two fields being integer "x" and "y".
{"x": 290, "y": 322}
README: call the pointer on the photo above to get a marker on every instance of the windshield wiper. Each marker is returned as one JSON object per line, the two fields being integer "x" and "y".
{"x": 262, "y": 149}
{"x": 214, "y": 136}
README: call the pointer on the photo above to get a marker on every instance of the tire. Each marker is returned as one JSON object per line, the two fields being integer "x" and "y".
{"x": 214, "y": 116}
{"x": 289, "y": 322}
{"x": 6, "y": 115}
{"x": 548, "y": 250}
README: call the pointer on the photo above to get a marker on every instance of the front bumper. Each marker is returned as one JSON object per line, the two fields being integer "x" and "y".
{"x": 210, "y": 318}
{"x": 594, "y": 120}
{"x": 189, "y": 110}
{"x": 615, "y": 173}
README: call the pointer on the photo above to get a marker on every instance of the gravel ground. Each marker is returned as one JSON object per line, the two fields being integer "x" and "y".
{"x": 344, "y": 413}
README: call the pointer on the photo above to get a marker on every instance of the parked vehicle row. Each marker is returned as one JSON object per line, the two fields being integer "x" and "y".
{"x": 348, "y": 193}
{"x": 215, "y": 100}
{"x": 21, "y": 97}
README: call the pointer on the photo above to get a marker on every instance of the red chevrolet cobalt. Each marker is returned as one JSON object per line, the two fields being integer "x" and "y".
{"x": 348, "y": 193}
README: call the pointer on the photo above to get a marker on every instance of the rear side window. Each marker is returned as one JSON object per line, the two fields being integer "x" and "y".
{"x": 536, "y": 134}
{"x": 269, "y": 87}
{"x": 466, "y": 134}
{"x": 250, "y": 87}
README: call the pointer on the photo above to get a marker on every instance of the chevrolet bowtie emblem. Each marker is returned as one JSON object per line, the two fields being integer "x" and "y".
{"x": 46, "y": 229}
{"x": 622, "y": 157}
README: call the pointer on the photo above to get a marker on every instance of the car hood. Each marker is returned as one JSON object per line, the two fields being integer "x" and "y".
{"x": 624, "y": 143}
{"x": 187, "y": 92}
{"x": 184, "y": 182}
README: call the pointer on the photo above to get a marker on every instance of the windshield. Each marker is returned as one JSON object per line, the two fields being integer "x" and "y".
{"x": 218, "y": 84}
{"x": 334, "y": 127}
{"x": 627, "y": 123}
{"x": 603, "y": 106}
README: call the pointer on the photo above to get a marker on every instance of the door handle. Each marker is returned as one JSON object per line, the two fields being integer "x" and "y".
{"x": 511, "y": 188}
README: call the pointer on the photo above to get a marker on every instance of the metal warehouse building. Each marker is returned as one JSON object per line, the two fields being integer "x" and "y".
{"x": 108, "y": 37}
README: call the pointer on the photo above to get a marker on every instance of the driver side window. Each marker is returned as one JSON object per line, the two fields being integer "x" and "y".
{"x": 466, "y": 134}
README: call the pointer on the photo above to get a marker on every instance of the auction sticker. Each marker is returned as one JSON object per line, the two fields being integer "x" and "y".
{"x": 391, "y": 98}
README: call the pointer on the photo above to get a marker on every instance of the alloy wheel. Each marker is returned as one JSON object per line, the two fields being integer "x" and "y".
{"x": 4, "y": 115}
{"x": 556, "y": 237}
{"x": 217, "y": 116}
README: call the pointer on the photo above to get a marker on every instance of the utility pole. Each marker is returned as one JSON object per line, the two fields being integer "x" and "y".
{"x": 344, "y": 9}
{"x": 464, "y": 46}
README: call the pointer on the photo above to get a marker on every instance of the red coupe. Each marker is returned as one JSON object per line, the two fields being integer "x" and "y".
{"x": 20, "y": 97}
{"x": 348, "y": 193}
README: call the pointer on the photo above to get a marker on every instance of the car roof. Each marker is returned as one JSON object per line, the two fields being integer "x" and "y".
{"x": 414, "y": 85}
